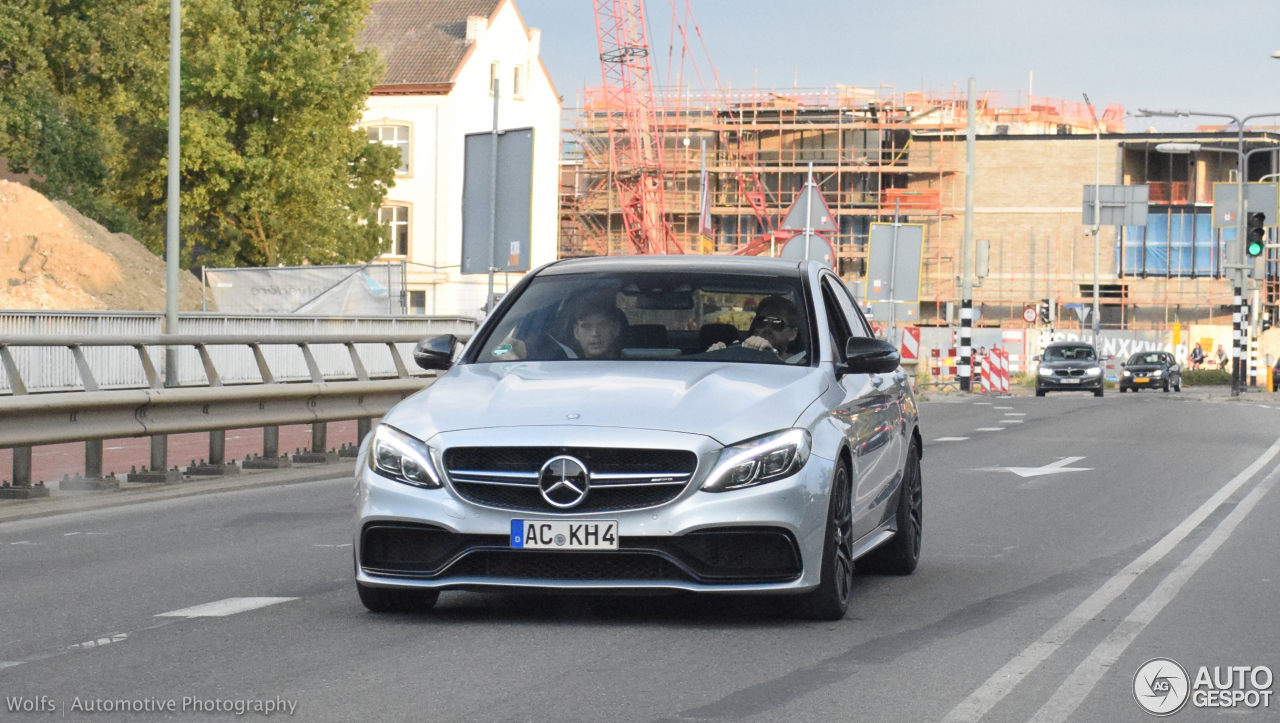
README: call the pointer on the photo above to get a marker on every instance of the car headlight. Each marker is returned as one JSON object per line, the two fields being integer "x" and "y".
{"x": 1126, "y": 373}
{"x": 1046, "y": 372}
{"x": 402, "y": 458}
{"x": 760, "y": 460}
{"x": 1093, "y": 371}
{"x": 1158, "y": 373}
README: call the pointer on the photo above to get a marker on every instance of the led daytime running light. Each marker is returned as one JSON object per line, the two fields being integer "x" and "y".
{"x": 760, "y": 460}
{"x": 400, "y": 457}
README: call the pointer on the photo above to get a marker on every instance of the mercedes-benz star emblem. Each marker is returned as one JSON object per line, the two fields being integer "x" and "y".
{"x": 564, "y": 482}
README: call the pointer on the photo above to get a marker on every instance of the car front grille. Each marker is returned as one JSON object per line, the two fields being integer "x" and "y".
{"x": 714, "y": 556}
{"x": 1069, "y": 372}
{"x": 620, "y": 479}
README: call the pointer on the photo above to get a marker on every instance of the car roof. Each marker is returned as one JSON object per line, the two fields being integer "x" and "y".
{"x": 677, "y": 262}
{"x": 1072, "y": 344}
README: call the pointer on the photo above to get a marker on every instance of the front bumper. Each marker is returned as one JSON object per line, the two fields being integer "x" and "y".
{"x": 765, "y": 539}
{"x": 1060, "y": 384}
{"x": 1151, "y": 383}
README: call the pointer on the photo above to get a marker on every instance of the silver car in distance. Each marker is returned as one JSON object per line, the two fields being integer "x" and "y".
{"x": 705, "y": 424}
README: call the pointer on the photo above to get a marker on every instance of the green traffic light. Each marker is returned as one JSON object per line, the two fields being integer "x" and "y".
{"x": 1254, "y": 247}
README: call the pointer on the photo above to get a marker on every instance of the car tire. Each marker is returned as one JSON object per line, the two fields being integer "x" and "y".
{"x": 392, "y": 600}
{"x": 1098, "y": 392}
{"x": 1039, "y": 392}
{"x": 830, "y": 601}
{"x": 1178, "y": 387}
{"x": 901, "y": 554}
{"x": 1123, "y": 389}
{"x": 1165, "y": 389}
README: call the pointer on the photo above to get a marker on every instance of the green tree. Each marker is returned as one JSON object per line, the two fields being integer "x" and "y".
{"x": 274, "y": 170}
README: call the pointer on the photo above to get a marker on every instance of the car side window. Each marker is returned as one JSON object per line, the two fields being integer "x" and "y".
{"x": 848, "y": 308}
{"x": 836, "y": 322}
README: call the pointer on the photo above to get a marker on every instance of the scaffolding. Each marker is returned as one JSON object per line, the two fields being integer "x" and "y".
{"x": 872, "y": 150}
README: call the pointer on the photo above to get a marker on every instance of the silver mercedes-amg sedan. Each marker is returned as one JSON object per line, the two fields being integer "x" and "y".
{"x": 705, "y": 424}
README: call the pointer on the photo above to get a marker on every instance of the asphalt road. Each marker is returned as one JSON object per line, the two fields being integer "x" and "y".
{"x": 1037, "y": 598}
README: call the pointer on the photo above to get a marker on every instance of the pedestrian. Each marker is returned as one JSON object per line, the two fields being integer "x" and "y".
{"x": 1197, "y": 356}
{"x": 1222, "y": 358}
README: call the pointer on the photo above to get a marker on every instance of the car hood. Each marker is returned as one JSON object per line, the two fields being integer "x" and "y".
{"x": 728, "y": 402}
{"x": 1143, "y": 368}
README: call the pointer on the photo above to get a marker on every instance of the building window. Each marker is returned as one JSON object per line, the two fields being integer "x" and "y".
{"x": 418, "y": 302}
{"x": 517, "y": 82}
{"x": 396, "y": 220}
{"x": 493, "y": 77}
{"x": 396, "y": 137}
{"x": 1174, "y": 243}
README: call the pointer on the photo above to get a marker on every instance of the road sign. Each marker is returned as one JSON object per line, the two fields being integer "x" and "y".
{"x": 1258, "y": 197}
{"x": 810, "y": 202}
{"x": 1029, "y": 314}
{"x": 1118, "y": 205}
{"x": 514, "y": 201}
{"x": 1177, "y": 333}
{"x": 897, "y": 269}
{"x": 813, "y": 247}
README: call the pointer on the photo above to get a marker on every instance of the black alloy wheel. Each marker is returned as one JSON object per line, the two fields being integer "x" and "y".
{"x": 830, "y": 600}
{"x": 900, "y": 555}
{"x": 395, "y": 600}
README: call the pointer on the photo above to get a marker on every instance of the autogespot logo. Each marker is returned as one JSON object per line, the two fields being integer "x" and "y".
{"x": 1160, "y": 686}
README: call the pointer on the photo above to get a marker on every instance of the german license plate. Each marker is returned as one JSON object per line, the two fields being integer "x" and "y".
{"x": 564, "y": 534}
{"x": 1070, "y": 381}
{"x": 1142, "y": 380}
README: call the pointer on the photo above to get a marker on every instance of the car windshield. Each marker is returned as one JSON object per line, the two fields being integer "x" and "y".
{"x": 654, "y": 316}
{"x": 1068, "y": 353}
{"x": 1145, "y": 359}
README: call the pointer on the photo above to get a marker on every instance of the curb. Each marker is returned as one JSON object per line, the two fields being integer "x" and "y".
{"x": 133, "y": 495}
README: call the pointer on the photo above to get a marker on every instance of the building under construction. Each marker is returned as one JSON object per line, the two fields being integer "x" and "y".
{"x": 874, "y": 151}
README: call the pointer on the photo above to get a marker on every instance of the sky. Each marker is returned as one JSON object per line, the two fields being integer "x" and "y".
{"x": 1207, "y": 56}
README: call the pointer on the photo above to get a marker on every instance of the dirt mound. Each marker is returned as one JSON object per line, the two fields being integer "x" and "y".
{"x": 55, "y": 258}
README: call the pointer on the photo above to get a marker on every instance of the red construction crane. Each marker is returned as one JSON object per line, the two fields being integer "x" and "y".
{"x": 635, "y": 138}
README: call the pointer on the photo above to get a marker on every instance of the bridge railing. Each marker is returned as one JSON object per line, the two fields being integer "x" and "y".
{"x": 372, "y": 377}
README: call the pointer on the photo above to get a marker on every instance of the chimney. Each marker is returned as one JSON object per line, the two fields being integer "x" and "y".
{"x": 535, "y": 43}
{"x": 476, "y": 26}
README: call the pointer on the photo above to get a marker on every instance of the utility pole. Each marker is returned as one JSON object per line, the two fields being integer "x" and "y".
{"x": 493, "y": 199}
{"x": 1097, "y": 221}
{"x": 172, "y": 246}
{"x": 966, "y": 298}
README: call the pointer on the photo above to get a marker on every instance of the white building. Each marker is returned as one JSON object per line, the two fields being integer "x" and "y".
{"x": 442, "y": 57}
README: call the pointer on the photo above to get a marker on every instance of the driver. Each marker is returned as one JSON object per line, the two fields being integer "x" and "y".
{"x": 775, "y": 326}
{"x": 598, "y": 328}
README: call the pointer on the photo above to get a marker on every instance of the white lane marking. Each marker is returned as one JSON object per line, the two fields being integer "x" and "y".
{"x": 1015, "y": 414}
{"x": 1002, "y": 407}
{"x": 1082, "y": 680}
{"x": 1051, "y": 468}
{"x": 98, "y": 643}
{"x": 223, "y": 608}
{"x": 989, "y": 429}
{"x": 345, "y": 544}
{"x": 8, "y": 664}
{"x": 1004, "y": 680}
{"x": 984, "y": 404}
{"x": 23, "y": 542}
{"x": 69, "y": 534}
{"x": 950, "y": 439}
{"x": 1012, "y": 421}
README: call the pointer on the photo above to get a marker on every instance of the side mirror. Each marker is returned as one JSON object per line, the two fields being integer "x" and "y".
{"x": 435, "y": 352}
{"x": 1035, "y": 358}
{"x": 1123, "y": 365}
{"x": 864, "y": 355}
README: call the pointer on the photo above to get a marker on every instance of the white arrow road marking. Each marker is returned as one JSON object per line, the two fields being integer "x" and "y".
{"x": 223, "y": 608}
{"x": 1051, "y": 468}
{"x": 950, "y": 439}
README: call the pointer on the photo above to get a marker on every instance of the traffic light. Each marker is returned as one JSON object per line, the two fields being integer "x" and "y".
{"x": 1255, "y": 234}
{"x": 1044, "y": 311}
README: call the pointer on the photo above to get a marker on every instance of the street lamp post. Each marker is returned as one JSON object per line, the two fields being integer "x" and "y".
{"x": 1236, "y": 262}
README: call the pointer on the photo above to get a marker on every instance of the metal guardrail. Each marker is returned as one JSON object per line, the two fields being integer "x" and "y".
{"x": 156, "y": 410}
